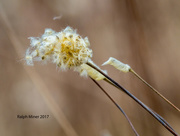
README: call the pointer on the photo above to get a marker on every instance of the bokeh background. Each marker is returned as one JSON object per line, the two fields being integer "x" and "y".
{"x": 143, "y": 34}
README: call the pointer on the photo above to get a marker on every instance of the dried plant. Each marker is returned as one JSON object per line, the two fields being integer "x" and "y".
{"x": 68, "y": 50}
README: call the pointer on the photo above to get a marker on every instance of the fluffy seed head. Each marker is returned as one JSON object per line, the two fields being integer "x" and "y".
{"x": 66, "y": 49}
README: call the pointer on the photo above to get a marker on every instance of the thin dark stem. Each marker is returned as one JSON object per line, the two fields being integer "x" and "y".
{"x": 117, "y": 106}
{"x": 155, "y": 115}
{"x": 161, "y": 118}
{"x": 176, "y": 108}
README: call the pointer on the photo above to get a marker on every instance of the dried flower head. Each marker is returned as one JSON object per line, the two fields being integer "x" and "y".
{"x": 66, "y": 49}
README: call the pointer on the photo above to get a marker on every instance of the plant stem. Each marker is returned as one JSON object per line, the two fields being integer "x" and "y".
{"x": 116, "y": 106}
{"x": 157, "y": 117}
{"x": 132, "y": 71}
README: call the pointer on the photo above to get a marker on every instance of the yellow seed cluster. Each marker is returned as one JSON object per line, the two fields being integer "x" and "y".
{"x": 66, "y": 49}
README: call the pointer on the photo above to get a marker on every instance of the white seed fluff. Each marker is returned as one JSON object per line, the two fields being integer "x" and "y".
{"x": 117, "y": 64}
{"x": 66, "y": 49}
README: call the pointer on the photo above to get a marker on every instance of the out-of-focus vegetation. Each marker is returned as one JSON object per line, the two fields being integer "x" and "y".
{"x": 144, "y": 34}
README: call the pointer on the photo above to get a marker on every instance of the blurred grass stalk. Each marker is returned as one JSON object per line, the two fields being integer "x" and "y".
{"x": 38, "y": 82}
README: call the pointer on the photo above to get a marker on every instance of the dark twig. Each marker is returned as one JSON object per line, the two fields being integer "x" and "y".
{"x": 117, "y": 106}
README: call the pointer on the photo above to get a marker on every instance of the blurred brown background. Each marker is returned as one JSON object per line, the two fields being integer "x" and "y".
{"x": 143, "y": 34}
